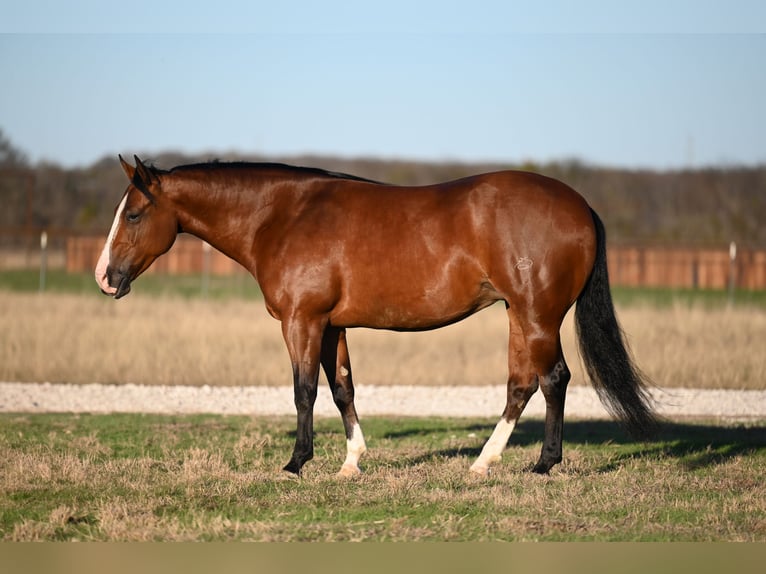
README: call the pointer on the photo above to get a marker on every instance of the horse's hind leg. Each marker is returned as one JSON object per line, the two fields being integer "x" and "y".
{"x": 337, "y": 366}
{"x": 522, "y": 384}
{"x": 535, "y": 360}
{"x": 554, "y": 387}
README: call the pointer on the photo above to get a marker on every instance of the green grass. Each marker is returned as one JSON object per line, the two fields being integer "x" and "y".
{"x": 240, "y": 286}
{"x": 243, "y": 286}
{"x": 705, "y": 298}
{"x": 218, "y": 478}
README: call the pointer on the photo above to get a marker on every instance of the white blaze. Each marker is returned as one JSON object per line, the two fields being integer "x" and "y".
{"x": 103, "y": 261}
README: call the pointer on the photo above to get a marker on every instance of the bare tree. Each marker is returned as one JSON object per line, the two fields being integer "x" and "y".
{"x": 11, "y": 156}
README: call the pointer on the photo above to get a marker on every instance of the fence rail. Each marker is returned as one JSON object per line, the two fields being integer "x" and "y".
{"x": 628, "y": 266}
{"x": 188, "y": 255}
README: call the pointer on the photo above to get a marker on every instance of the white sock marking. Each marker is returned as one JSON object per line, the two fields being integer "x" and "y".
{"x": 355, "y": 448}
{"x": 494, "y": 447}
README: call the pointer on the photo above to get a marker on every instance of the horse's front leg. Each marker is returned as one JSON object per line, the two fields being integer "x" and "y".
{"x": 304, "y": 342}
{"x": 337, "y": 367}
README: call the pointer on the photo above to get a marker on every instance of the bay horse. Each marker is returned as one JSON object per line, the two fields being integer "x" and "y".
{"x": 332, "y": 251}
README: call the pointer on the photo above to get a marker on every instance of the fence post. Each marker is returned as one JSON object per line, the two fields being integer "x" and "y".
{"x": 206, "y": 255}
{"x": 43, "y": 259}
{"x": 732, "y": 270}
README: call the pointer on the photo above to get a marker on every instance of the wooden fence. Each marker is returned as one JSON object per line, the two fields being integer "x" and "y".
{"x": 188, "y": 255}
{"x": 687, "y": 267}
{"x": 628, "y": 266}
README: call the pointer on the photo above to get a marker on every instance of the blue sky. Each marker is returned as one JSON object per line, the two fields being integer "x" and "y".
{"x": 628, "y": 84}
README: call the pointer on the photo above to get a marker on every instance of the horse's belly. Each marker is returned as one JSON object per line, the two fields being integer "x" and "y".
{"x": 411, "y": 311}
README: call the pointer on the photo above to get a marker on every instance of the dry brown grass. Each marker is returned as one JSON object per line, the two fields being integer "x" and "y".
{"x": 151, "y": 340}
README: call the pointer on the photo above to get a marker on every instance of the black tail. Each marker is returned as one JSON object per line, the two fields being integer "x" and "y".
{"x": 620, "y": 384}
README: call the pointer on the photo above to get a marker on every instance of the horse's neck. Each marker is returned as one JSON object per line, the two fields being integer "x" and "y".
{"x": 226, "y": 217}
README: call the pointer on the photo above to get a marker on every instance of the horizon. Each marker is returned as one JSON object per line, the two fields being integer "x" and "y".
{"x": 157, "y": 158}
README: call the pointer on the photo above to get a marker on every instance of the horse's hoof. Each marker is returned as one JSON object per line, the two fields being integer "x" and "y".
{"x": 479, "y": 470}
{"x": 291, "y": 470}
{"x": 285, "y": 476}
{"x": 349, "y": 471}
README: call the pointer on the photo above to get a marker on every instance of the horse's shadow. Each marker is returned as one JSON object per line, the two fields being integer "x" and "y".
{"x": 694, "y": 445}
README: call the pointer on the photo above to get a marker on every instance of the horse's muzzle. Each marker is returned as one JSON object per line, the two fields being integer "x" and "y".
{"x": 123, "y": 287}
{"x": 119, "y": 281}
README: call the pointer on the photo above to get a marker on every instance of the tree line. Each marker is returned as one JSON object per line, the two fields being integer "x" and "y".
{"x": 705, "y": 207}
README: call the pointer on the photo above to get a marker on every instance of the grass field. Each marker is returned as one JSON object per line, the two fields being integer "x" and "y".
{"x": 214, "y": 478}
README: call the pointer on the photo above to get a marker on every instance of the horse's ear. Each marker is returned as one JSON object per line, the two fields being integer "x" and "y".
{"x": 146, "y": 174}
{"x": 127, "y": 168}
{"x": 144, "y": 179}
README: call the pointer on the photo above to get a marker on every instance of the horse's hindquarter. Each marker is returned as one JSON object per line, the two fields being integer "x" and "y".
{"x": 419, "y": 258}
{"x": 547, "y": 243}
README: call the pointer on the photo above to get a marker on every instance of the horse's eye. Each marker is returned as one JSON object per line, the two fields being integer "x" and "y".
{"x": 132, "y": 217}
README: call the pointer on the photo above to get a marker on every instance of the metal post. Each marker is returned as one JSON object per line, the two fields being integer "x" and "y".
{"x": 732, "y": 271}
{"x": 206, "y": 254}
{"x": 43, "y": 259}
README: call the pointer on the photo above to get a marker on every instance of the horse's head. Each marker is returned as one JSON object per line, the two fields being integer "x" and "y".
{"x": 144, "y": 227}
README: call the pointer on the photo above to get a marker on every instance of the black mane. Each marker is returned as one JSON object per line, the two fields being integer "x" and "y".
{"x": 212, "y": 165}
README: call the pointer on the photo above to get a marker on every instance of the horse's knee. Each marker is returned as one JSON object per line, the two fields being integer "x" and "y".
{"x": 521, "y": 393}
{"x": 342, "y": 396}
{"x": 556, "y": 380}
{"x": 304, "y": 398}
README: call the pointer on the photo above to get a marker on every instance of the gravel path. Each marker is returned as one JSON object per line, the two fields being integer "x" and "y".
{"x": 472, "y": 401}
